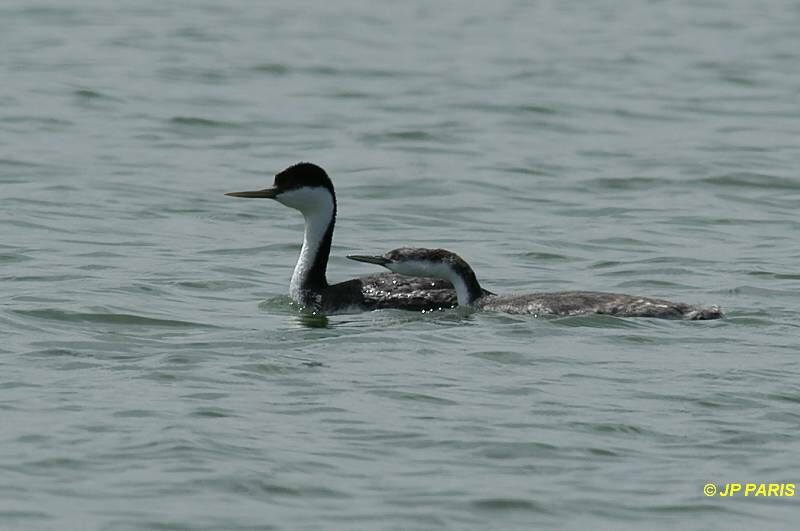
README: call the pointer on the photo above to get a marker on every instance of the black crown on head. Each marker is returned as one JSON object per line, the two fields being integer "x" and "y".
{"x": 301, "y": 175}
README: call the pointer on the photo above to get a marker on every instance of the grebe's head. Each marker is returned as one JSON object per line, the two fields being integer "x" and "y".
{"x": 418, "y": 262}
{"x": 436, "y": 263}
{"x": 305, "y": 187}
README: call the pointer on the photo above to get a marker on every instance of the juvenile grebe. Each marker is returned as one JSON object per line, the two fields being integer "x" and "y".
{"x": 445, "y": 264}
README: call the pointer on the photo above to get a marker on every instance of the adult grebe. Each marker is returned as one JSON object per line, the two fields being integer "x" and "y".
{"x": 307, "y": 188}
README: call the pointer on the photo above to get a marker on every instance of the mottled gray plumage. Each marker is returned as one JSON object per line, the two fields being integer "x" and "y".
{"x": 384, "y": 290}
{"x": 571, "y": 303}
{"x": 449, "y": 265}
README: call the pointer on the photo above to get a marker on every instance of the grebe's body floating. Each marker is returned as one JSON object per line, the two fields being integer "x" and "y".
{"x": 445, "y": 264}
{"x": 307, "y": 188}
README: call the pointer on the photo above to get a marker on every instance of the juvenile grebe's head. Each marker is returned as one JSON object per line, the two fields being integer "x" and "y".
{"x": 305, "y": 187}
{"x": 436, "y": 263}
{"x": 405, "y": 260}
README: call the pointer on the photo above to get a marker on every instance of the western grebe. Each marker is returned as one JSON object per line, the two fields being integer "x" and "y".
{"x": 445, "y": 264}
{"x": 307, "y": 188}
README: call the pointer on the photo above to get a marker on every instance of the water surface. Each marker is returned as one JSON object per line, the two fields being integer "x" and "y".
{"x": 153, "y": 374}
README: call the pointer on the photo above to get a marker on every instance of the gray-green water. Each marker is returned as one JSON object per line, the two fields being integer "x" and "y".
{"x": 154, "y": 376}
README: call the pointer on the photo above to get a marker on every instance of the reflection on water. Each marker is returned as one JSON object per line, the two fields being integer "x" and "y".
{"x": 311, "y": 320}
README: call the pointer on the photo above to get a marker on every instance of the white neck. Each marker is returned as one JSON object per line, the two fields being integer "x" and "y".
{"x": 317, "y": 221}
{"x": 428, "y": 268}
{"x": 462, "y": 293}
